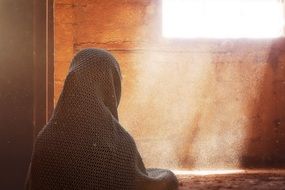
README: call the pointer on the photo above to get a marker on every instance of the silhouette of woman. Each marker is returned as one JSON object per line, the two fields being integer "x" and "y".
{"x": 83, "y": 146}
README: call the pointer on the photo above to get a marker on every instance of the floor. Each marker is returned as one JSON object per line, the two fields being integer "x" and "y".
{"x": 248, "y": 180}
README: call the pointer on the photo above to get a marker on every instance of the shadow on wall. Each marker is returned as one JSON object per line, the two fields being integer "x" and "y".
{"x": 265, "y": 136}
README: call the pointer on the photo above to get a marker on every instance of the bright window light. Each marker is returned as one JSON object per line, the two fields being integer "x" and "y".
{"x": 223, "y": 18}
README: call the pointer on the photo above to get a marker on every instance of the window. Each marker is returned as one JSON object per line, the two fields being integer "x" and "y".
{"x": 222, "y": 18}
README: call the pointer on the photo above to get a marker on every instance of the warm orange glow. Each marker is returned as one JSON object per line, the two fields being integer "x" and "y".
{"x": 207, "y": 172}
{"x": 227, "y": 171}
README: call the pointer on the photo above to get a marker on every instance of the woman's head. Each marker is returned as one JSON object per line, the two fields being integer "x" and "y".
{"x": 95, "y": 74}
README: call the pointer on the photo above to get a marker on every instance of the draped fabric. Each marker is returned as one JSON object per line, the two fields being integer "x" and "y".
{"x": 83, "y": 146}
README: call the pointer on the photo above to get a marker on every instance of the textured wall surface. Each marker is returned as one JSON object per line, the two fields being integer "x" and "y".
{"x": 188, "y": 103}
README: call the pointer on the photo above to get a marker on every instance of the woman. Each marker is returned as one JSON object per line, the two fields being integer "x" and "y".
{"x": 83, "y": 146}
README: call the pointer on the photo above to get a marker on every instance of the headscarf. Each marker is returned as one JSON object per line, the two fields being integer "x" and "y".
{"x": 83, "y": 146}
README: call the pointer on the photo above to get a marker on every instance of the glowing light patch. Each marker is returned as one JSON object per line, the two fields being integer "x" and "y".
{"x": 206, "y": 172}
{"x": 222, "y": 18}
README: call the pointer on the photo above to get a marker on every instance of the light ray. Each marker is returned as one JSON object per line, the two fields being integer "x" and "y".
{"x": 222, "y": 19}
{"x": 208, "y": 172}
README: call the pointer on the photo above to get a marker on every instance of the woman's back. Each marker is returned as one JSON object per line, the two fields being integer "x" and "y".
{"x": 83, "y": 146}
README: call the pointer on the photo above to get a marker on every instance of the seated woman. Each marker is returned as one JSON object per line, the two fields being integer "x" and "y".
{"x": 83, "y": 146}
